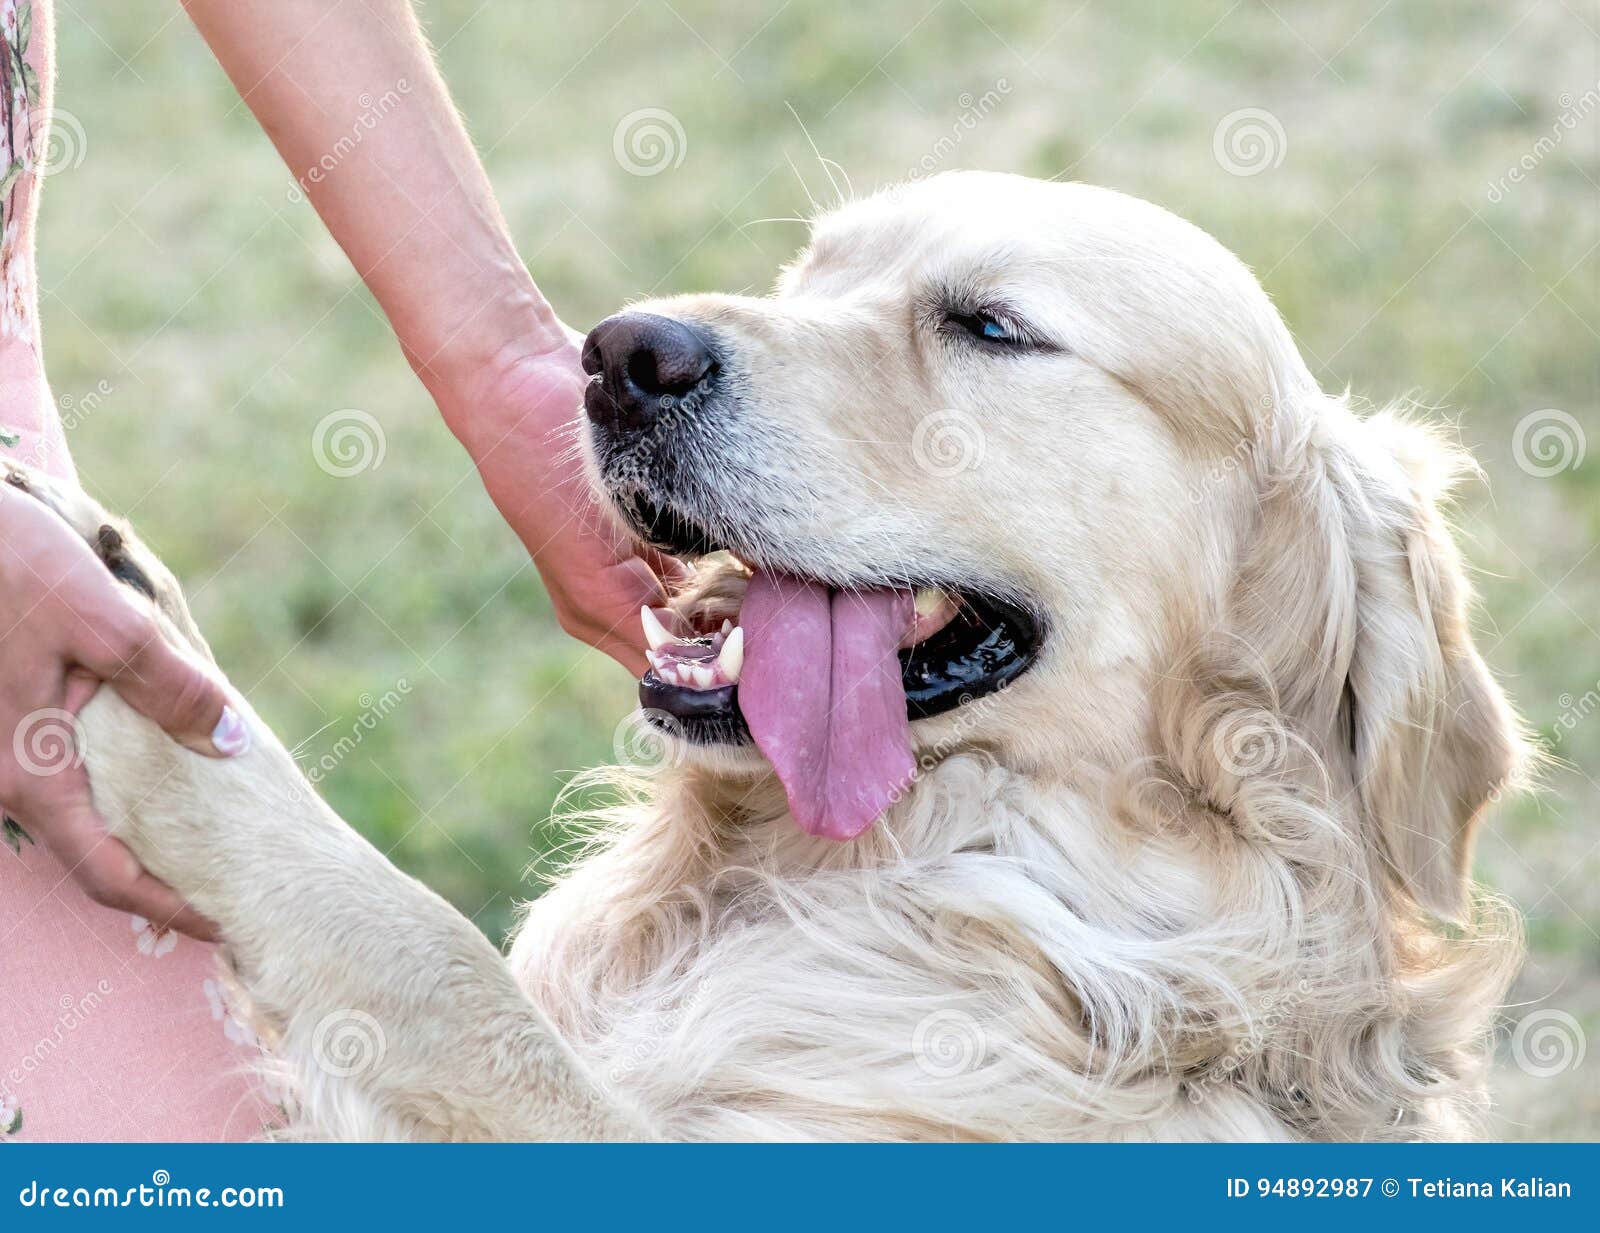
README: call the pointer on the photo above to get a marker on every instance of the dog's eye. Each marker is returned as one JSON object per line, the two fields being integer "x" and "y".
{"x": 985, "y": 327}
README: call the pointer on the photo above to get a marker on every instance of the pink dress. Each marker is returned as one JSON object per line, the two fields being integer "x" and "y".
{"x": 108, "y": 1029}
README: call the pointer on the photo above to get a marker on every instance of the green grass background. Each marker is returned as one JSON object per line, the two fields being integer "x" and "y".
{"x": 198, "y": 325}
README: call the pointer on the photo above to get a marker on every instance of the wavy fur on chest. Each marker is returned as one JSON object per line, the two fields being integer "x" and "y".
{"x": 1001, "y": 960}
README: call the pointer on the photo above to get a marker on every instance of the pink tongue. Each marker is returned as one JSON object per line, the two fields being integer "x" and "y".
{"x": 822, "y": 696}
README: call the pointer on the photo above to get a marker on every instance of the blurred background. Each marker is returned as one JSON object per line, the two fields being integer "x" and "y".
{"x": 1417, "y": 184}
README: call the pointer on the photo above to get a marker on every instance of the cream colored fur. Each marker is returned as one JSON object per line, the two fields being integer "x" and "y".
{"x": 1200, "y": 873}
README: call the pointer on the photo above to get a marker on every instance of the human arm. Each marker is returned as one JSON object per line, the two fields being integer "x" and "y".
{"x": 350, "y": 96}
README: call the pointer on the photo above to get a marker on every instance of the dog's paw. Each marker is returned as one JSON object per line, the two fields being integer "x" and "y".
{"x": 712, "y": 593}
{"x": 113, "y": 541}
{"x": 70, "y": 504}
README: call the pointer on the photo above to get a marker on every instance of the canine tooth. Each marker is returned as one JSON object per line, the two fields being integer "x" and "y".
{"x": 731, "y": 658}
{"x": 655, "y": 633}
{"x": 929, "y": 600}
{"x": 727, "y": 628}
{"x": 703, "y": 677}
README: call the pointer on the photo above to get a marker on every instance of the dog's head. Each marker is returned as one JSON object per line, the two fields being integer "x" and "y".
{"x": 1073, "y": 426}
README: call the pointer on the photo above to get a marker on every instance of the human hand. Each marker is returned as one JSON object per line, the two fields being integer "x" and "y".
{"x": 518, "y": 419}
{"x": 68, "y": 626}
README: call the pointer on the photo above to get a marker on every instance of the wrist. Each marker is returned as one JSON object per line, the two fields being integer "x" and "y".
{"x": 512, "y": 409}
{"x": 459, "y": 357}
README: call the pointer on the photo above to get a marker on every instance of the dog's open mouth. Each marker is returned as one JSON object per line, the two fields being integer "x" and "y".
{"x": 825, "y": 678}
{"x": 961, "y": 647}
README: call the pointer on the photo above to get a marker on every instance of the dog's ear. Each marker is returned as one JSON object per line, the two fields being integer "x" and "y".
{"x": 1342, "y": 666}
{"x": 1430, "y": 737}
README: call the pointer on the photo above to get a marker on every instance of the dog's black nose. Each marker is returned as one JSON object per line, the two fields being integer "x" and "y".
{"x": 645, "y": 362}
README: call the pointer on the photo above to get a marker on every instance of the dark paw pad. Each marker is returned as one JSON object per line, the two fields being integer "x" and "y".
{"x": 114, "y": 552}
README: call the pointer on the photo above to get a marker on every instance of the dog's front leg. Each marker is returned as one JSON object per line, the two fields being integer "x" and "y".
{"x": 336, "y": 947}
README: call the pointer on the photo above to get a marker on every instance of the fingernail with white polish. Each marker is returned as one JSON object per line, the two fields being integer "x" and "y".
{"x": 230, "y": 736}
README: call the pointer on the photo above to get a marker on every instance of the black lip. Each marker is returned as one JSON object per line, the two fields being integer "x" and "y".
{"x": 704, "y": 716}
{"x": 663, "y": 527}
{"x": 989, "y": 643}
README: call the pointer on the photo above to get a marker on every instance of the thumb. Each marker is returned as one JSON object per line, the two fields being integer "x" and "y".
{"x": 669, "y": 569}
{"x": 167, "y": 686}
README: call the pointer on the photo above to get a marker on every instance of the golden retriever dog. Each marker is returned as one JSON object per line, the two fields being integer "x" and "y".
{"x": 1072, "y": 731}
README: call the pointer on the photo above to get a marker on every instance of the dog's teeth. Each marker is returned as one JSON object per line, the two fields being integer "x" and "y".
{"x": 929, "y": 600}
{"x": 727, "y": 628}
{"x": 655, "y": 633}
{"x": 731, "y": 658}
{"x": 702, "y": 676}
{"x": 656, "y": 663}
